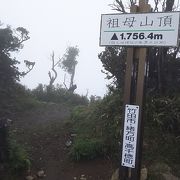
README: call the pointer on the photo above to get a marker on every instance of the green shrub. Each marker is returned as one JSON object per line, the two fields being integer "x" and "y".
{"x": 20, "y": 99}
{"x": 26, "y": 103}
{"x": 163, "y": 112}
{"x": 162, "y": 131}
{"x": 97, "y": 122}
{"x": 58, "y": 95}
{"x": 101, "y": 121}
{"x": 18, "y": 158}
{"x": 84, "y": 148}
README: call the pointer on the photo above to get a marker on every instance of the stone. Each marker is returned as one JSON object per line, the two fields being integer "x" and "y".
{"x": 163, "y": 171}
{"x": 68, "y": 143}
{"x": 115, "y": 175}
{"x": 41, "y": 174}
{"x": 144, "y": 171}
{"x": 144, "y": 174}
{"x": 29, "y": 178}
{"x": 73, "y": 135}
{"x": 169, "y": 177}
{"x": 83, "y": 177}
{"x": 160, "y": 168}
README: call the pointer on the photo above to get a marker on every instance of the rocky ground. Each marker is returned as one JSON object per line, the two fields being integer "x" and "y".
{"x": 47, "y": 136}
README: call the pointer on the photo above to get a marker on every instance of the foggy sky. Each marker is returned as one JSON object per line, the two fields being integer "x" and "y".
{"x": 53, "y": 26}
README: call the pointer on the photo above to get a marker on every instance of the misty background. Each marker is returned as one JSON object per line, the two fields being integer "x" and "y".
{"x": 53, "y": 26}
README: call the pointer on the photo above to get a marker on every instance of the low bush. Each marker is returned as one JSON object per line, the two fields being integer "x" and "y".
{"x": 58, "y": 95}
{"x": 162, "y": 131}
{"x": 18, "y": 160}
{"x": 164, "y": 113}
{"x": 20, "y": 99}
{"x": 97, "y": 124}
{"x": 85, "y": 148}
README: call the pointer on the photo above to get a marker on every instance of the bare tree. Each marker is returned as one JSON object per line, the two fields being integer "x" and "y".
{"x": 156, "y": 2}
{"x": 53, "y": 73}
{"x": 118, "y": 6}
{"x": 163, "y": 5}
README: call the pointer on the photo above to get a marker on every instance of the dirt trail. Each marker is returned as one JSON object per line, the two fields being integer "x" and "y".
{"x": 43, "y": 133}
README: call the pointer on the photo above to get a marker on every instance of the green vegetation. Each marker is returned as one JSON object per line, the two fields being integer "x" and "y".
{"x": 23, "y": 99}
{"x": 162, "y": 132}
{"x": 85, "y": 148}
{"x": 58, "y": 95}
{"x": 97, "y": 124}
{"x": 18, "y": 160}
{"x": 98, "y": 128}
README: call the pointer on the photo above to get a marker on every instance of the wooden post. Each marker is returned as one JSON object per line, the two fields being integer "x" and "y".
{"x": 124, "y": 172}
{"x": 140, "y": 55}
{"x": 143, "y": 7}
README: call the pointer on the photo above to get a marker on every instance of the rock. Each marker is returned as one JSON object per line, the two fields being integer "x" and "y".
{"x": 68, "y": 143}
{"x": 14, "y": 130}
{"x": 162, "y": 171}
{"x": 83, "y": 177}
{"x": 9, "y": 121}
{"x": 160, "y": 168}
{"x": 41, "y": 174}
{"x": 115, "y": 175}
{"x": 144, "y": 173}
{"x": 73, "y": 135}
{"x": 169, "y": 177}
{"x": 29, "y": 178}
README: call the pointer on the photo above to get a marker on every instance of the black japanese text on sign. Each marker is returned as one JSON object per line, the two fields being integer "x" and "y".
{"x": 130, "y": 136}
{"x": 148, "y": 29}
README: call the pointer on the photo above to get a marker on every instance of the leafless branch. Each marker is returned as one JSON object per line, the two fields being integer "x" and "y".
{"x": 87, "y": 92}
{"x": 176, "y": 6}
{"x": 156, "y": 2}
{"x": 58, "y": 62}
{"x": 133, "y": 2}
{"x": 164, "y": 5}
{"x": 64, "y": 82}
{"x": 118, "y": 6}
{"x": 51, "y": 77}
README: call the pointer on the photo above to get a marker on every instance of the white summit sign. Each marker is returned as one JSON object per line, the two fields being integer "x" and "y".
{"x": 145, "y": 29}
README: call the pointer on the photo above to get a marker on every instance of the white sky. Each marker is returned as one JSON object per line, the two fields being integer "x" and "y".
{"x": 55, "y": 25}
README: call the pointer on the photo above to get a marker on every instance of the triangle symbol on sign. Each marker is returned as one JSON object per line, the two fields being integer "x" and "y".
{"x": 114, "y": 37}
